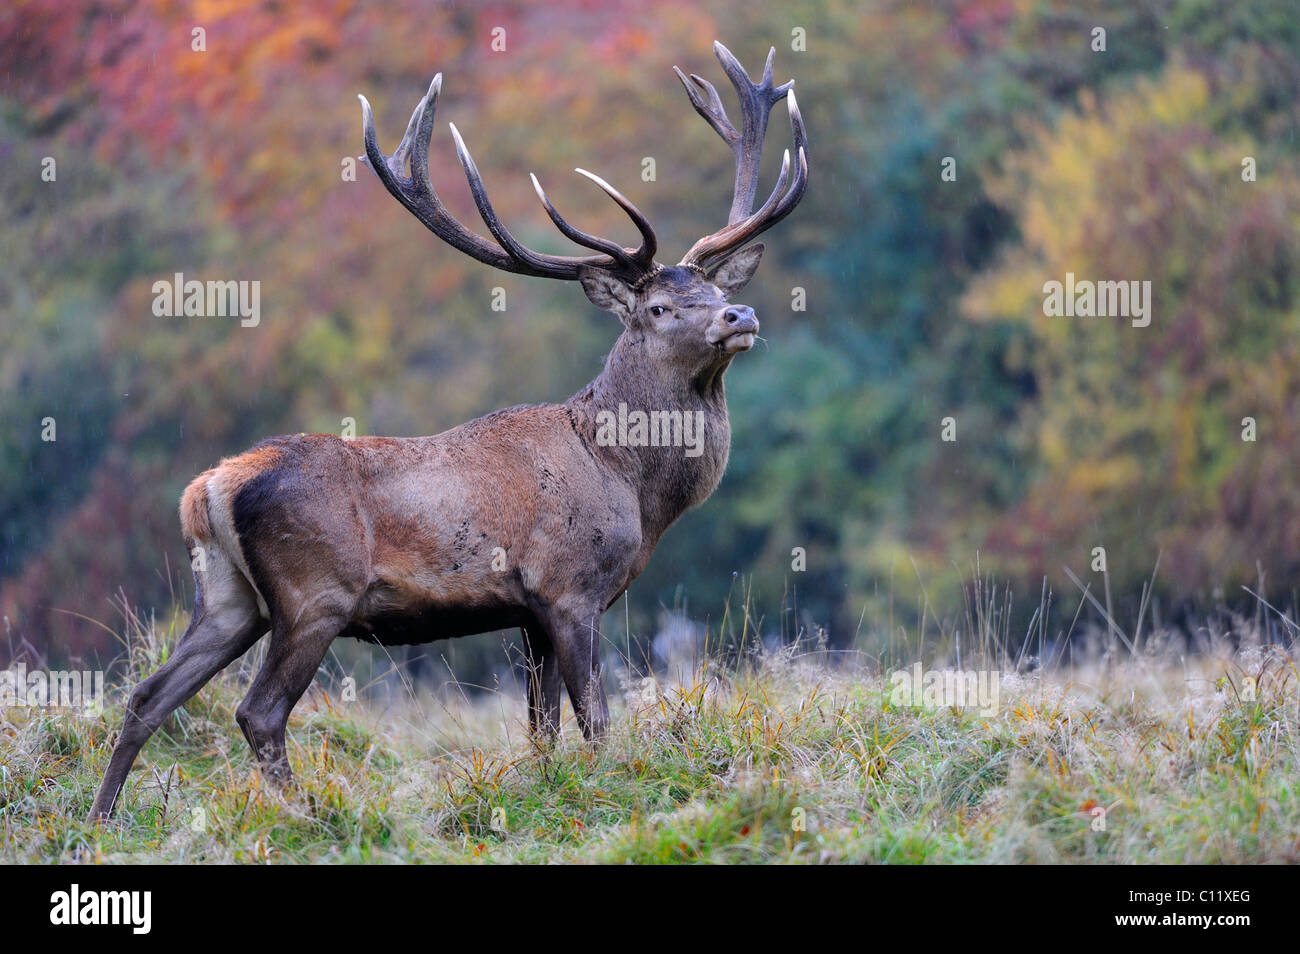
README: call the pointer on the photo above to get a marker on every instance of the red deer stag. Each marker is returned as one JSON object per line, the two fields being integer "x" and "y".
{"x": 535, "y": 517}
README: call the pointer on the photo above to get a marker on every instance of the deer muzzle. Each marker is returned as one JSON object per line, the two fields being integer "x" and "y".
{"x": 735, "y": 329}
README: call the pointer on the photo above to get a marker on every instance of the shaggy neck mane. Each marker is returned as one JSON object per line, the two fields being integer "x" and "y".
{"x": 668, "y": 481}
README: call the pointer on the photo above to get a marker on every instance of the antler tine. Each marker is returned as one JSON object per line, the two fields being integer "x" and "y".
{"x": 524, "y": 256}
{"x": 649, "y": 242}
{"x": 768, "y": 66}
{"x": 799, "y": 136}
{"x": 714, "y": 113}
{"x": 638, "y": 261}
{"x": 398, "y": 158}
{"x": 416, "y": 193}
{"x": 420, "y": 137}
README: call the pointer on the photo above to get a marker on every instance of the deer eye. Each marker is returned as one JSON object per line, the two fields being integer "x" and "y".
{"x": 657, "y": 310}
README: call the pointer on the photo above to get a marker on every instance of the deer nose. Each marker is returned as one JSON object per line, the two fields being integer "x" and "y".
{"x": 740, "y": 319}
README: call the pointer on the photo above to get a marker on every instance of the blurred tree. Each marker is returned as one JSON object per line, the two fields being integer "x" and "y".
{"x": 228, "y": 163}
{"x": 1138, "y": 431}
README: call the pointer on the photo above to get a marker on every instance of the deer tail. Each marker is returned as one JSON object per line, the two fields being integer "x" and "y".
{"x": 196, "y": 523}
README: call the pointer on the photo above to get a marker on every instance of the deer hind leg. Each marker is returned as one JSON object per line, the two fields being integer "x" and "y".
{"x": 575, "y": 637}
{"x": 543, "y": 685}
{"x": 226, "y": 622}
{"x": 294, "y": 655}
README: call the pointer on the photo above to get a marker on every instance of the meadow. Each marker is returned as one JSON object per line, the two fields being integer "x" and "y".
{"x": 751, "y": 755}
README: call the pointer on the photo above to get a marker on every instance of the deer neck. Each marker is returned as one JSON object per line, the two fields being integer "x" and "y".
{"x": 667, "y": 434}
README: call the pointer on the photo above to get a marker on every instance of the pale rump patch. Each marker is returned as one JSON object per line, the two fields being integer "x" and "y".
{"x": 217, "y": 489}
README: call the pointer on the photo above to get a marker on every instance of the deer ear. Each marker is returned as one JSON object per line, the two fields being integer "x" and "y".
{"x": 607, "y": 291}
{"x": 733, "y": 273}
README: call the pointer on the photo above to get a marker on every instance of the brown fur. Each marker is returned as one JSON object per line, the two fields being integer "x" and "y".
{"x": 241, "y": 468}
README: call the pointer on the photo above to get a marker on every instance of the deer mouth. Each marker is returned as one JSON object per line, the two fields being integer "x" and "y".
{"x": 735, "y": 342}
{"x": 740, "y": 341}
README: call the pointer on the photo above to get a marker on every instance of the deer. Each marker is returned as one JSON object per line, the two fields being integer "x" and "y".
{"x": 524, "y": 518}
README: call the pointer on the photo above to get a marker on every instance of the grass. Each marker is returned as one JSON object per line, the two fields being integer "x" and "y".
{"x": 775, "y": 757}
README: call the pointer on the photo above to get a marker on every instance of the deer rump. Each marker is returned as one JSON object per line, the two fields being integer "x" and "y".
{"x": 426, "y": 538}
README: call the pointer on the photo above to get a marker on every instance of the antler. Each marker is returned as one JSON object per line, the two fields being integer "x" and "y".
{"x": 756, "y": 102}
{"x": 416, "y": 193}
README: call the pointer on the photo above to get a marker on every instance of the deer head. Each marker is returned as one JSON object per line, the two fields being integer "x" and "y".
{"x": 680, "y": 317}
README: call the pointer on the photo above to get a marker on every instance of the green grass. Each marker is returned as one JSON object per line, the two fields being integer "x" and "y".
{"x": 776, "y": 759}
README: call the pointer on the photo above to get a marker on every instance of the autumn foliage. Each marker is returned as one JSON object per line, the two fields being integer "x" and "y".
{"x": 924, "y": 296}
